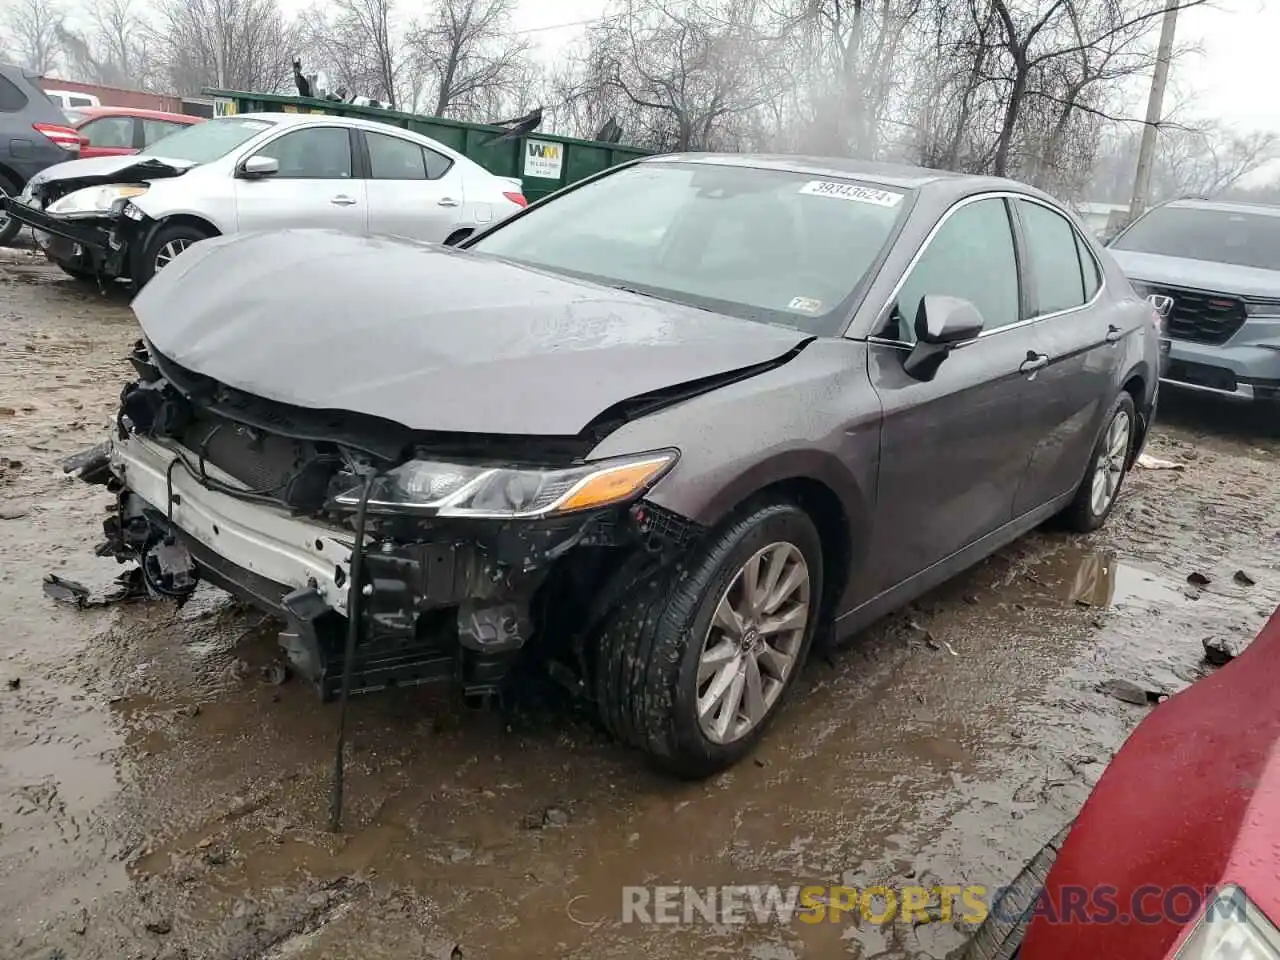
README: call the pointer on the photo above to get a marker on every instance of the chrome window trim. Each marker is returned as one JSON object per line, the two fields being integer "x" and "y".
{"x": 882, "y": 313}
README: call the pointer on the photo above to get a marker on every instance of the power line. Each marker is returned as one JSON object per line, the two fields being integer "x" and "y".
{"x": 562, "y": 26}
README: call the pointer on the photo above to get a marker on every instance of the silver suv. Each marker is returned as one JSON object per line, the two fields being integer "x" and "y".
{"x": 1220, "y": 264}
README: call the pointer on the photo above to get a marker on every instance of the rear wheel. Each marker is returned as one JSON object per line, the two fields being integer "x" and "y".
{"x": 1108, "y": 466}
{"x": 9, "y": 227}
{"x": 165, "y": 246}
{"x": 695, "y": 665}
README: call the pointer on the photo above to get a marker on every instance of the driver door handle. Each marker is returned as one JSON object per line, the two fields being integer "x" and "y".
{"x": 342, "y": 200}
{"x": 1035, "y": 361}
{"x": 1114, "y": 333}
{"x": 447, "y": 202}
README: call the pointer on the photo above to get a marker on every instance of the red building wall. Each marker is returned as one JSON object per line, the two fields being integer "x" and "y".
{"x": 116, "y": 96}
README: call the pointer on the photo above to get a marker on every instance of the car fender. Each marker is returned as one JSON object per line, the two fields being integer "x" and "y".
{"x": 814, "y": 418}
{"x": 184, "y": 196}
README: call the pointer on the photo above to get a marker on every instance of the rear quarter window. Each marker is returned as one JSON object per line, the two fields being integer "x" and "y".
{"x": 12, "y": 99}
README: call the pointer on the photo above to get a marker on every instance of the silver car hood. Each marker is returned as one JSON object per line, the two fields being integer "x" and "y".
{"x": 431, "y": 337}
{"x": 1198, "y": 274}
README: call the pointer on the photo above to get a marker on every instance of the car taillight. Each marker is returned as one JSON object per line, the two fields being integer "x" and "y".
{"x": 65, "y": 137}
{"x": 516, "y": 198}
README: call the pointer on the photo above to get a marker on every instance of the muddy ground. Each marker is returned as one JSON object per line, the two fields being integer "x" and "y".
{"x": 160, "y": 797}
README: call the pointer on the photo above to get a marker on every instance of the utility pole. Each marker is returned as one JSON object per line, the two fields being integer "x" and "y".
{"x": 1155, "y": 108}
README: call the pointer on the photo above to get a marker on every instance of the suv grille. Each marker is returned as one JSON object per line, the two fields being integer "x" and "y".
{"x": 1202, "y": 317}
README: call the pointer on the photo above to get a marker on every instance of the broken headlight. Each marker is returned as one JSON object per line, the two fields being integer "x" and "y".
{"x": 464, "y": 490}
{"x": 1232, "y": 928}
{"x": 94, "y": 201}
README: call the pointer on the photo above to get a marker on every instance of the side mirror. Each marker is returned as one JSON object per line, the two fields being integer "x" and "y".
{"x": 257, "y": 167}
{"x": 942, "y": 324}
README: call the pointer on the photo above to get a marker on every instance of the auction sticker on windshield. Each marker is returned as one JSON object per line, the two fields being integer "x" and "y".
{"x": 851, "y": 191}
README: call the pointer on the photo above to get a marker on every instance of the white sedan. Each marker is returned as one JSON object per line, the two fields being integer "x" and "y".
{"x": 129, "y": 216}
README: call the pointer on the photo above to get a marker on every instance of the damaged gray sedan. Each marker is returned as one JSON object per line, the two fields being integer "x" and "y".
{"x": 655, "y": 433}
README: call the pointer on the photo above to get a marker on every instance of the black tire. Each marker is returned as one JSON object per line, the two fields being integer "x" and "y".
{"x": 11, "y": 227}
{"x": 177, "y": 233}
{"x": 1001, "y": 933}
{"x": 646, "y": 668}
{"x": 1082, "y": 515}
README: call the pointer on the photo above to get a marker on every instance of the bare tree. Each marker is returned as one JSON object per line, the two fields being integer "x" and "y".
{"x": 688, "y": 76}
{"x": 854, "y": 52}
{"x": 229, "y": 44}
{"x": 1033, "y": 36}
{"x": 33, "y": 27}
{"x": 467, "y": 54}
{"x": 115, "y": 50}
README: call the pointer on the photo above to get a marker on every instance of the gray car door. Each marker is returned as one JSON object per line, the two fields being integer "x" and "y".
{"x": 952, "y": 449}
{"x": 1080, "y": 330}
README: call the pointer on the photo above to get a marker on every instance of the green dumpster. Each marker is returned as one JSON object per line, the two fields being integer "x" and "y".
{"x": 544, "y": 163}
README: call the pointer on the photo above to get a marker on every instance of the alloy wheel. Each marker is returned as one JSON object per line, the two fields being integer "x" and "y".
{"x": 170, "y": 250}
{"x": 1108, "y": 469}
{"x": 753, "y": 643}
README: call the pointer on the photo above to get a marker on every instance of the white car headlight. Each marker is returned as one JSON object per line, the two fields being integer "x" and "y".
{"x": 464, "y": 490}
{"x": 94, "y": 201}
{"x": 1232, "y": 928}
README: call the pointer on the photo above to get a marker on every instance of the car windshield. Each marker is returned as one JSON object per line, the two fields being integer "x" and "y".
{"x": 768, "y": 245}
{"x": 203, "y": 142}
{"x": 1221, "y": 236}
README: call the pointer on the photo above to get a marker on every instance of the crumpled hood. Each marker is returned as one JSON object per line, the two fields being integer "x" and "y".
{"x": 1198, "y": 274}
{"x": 428, "y": 336}
{"x": 98, "y": 170}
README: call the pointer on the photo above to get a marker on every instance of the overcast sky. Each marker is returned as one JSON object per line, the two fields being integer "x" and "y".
{"x": 1231, "y": 78}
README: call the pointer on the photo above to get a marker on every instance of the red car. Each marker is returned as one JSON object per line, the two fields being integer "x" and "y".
{"x": 114, "y": 131}
{"x": 1176, "y": 853}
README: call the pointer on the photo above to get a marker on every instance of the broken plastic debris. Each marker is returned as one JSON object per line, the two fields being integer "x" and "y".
{"x": 129, "y": 586}
{"x": 1148, "y": 462}
{"x": 1130, "y": 692}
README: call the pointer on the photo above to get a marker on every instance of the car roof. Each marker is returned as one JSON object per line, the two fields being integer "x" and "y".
{"x": 901, "y": 175}
{"x": 295, "y": 119}
{"x": 91, "y": 113}
{"x": 1227, "y": 206}
{"x": 376, "y": 126}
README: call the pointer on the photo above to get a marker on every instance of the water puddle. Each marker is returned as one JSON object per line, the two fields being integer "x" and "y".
{"x": 1097, "y": 578}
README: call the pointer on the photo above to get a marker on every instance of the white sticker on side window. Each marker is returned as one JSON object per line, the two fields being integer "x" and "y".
{"x": 851, "y": 191}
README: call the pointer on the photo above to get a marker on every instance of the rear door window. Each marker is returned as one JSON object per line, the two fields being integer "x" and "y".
{"x": 153, "y": 130}
{"x": 392, "y": 158}
{"x": 1054, "y": 256}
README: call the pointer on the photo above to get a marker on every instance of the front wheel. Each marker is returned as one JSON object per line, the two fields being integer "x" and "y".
{"x": 167, "y": 244}
{"x": 695, "y": 665}
{"x": 1108, "y": 465}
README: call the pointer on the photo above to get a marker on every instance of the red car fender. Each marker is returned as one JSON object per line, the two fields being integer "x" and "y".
{"x": 1190, "y": 802}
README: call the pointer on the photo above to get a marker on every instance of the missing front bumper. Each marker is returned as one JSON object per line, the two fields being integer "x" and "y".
{"x": 432, "y": 611}
{"x": 100, "y": 246}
